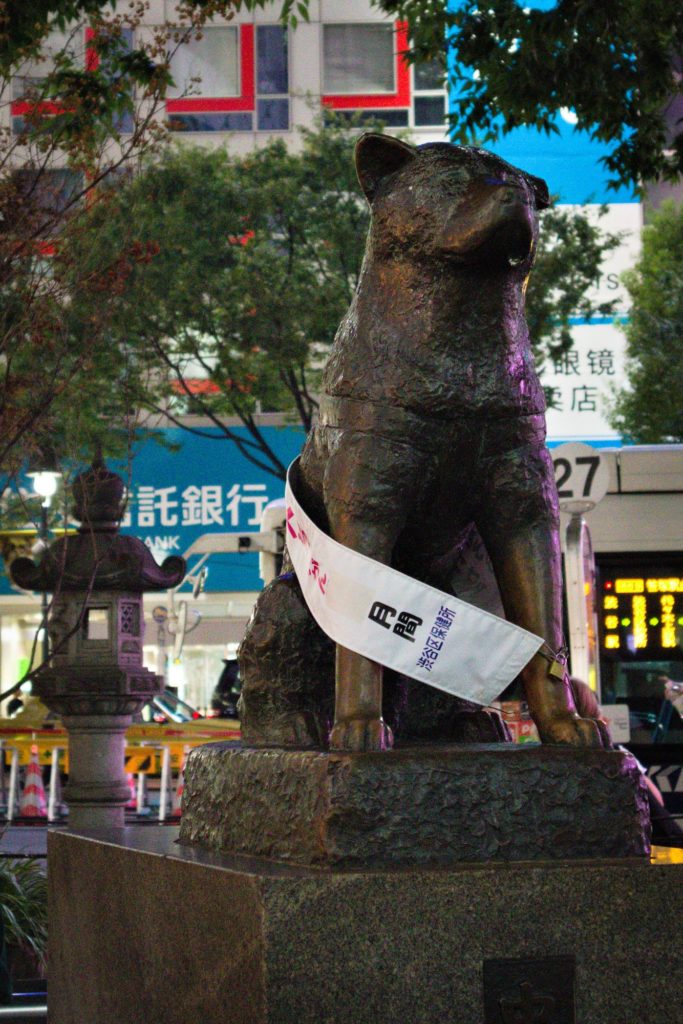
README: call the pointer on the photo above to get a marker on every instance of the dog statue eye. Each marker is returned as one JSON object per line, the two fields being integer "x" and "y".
{"x": 495, "y": 181}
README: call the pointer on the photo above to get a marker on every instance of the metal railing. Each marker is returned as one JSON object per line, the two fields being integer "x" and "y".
{"x": 27, "y": 1005}
{"x": 38, "y": 1012}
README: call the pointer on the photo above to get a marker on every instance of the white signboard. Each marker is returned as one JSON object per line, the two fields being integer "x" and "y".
{"x": 625, "y": 220}
{"x": 618, "y": 722}
{"x": 582, "y": 381}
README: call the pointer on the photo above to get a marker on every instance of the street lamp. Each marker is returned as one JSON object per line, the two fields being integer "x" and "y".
{"x": 45, "y": 476}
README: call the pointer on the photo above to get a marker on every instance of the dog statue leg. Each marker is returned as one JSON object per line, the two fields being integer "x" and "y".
{"x": 527, "y": 566}
{"x": 358, "y": 723}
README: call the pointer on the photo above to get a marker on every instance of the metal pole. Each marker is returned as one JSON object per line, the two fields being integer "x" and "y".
{"x": 580, "y": 591}
{"x": 165, "y": 784}
{"x": 12, "y": 797}
{"x": 43, "y": 599}
{"x": 53, "y": 801}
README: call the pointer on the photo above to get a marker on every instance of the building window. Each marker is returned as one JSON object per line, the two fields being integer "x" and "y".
{"x": 41, "y": 198}
{"x": 122, "y": 42}
{"x": 224, "y": 100}
{"x": 49, "y": 191}
{"x": 272, "y": 78}
{"x": 429, "y": 95}
{"x": 207, "y": 122}
{"x": 364, "y": 117}
{"x": 28, "y": 85}
{"x": 358, "y": 59}
{"x": 213, "y": 59}
{"x": 31, "y": 78}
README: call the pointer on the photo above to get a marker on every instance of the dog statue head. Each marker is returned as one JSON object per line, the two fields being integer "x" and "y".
{"x": 441, "y": 201}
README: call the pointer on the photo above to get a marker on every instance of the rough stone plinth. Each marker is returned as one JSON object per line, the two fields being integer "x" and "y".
{"x": 175, "y": 934}
{"x": 416, "y": 806}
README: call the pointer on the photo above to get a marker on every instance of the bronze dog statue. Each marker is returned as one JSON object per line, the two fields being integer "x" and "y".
{"x": 432, "y": 418}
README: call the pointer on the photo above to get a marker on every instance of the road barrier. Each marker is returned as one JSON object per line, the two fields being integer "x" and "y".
{"x": 27, "y": 753}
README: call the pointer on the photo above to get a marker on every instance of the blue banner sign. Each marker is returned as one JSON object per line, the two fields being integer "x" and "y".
{"x": 204, "y": 486}
{"x": 193, "y": 485}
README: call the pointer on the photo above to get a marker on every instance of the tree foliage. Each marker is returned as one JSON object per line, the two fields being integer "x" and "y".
{"x": 80, "y": 116}
{"x": 232, "y": 274}
{"x": 23, "y": 905}
{"x": 616, "y": 64}
{"x": 650, "y": 411}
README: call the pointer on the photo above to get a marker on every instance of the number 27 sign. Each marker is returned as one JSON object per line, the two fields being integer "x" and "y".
{"x": 581, "y": 476}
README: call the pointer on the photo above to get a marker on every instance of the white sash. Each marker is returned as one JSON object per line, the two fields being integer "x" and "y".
{"x": 403, "y": 624}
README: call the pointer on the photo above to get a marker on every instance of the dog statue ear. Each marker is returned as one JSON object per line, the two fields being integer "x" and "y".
{"x": 540, "y": 190}
{"x": 378, "y": 156}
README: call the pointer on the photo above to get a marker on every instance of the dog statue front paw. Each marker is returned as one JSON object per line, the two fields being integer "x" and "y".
{"x": 570, "y": 730}
{"x": 360, "y": 734}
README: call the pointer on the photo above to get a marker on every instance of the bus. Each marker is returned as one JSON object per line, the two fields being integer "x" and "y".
{"x": 637, "y": 597}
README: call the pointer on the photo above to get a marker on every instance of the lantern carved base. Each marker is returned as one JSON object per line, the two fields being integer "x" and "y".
{"x": 96, "y": 690}
{"x": 97, "y": 704}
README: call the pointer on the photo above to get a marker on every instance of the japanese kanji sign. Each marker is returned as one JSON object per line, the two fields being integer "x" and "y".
{"x": 400, "y": 622}
{"x": 580, "y": 384}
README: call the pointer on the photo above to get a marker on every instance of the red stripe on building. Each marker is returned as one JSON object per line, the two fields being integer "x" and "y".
{"x": 21, "y": 107}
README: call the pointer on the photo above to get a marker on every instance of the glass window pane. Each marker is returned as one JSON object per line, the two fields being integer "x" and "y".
{"x": 229, "y": 122}
{"x": 428, "y": 75}
{"x": 48, "y": 192}
{"x": 430, "y": 110}
{"x": 387, "y": 117}
{"x": 273, "y": 115}
{"x": 121, "y": 44}
{"x": 358, "y": 59}
{"x": 271, "y": 54}
{"x": 213, "y": 59}
{"x": 32, "y": 74}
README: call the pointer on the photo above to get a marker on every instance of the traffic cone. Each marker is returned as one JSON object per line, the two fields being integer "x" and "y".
{"x": 33, "y": 803}
{"x": 132, "y": 804}
{"x": 176, "y": 810}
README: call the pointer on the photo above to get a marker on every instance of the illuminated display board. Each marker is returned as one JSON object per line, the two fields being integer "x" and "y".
{"x": 642, "y": 615}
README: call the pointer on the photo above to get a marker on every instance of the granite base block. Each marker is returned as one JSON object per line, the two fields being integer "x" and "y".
{"x": 143, "y": 930}
{"x": 418, "y": 805}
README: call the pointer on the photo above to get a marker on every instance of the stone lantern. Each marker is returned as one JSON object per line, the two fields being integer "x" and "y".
{"x": 95, "y": 679}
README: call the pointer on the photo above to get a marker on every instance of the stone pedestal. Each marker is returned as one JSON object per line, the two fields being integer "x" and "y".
{"x": 97, "y": 791}
{"x": 427, "y": 805}
{"x": 174, "y": 934}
